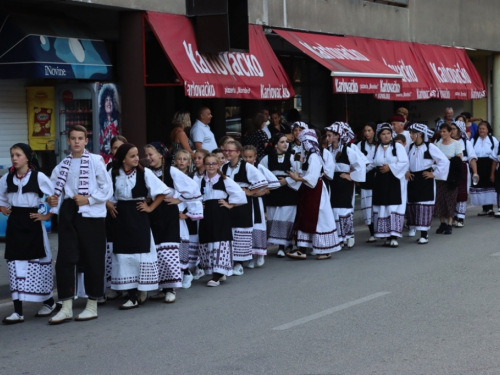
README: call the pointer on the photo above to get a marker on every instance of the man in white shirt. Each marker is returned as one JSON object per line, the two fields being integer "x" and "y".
{"x": 201, "y": 135}
{"x": 398, "y": 124}
{"x": 82, "y": 188}
{"x": 448, "y": 118}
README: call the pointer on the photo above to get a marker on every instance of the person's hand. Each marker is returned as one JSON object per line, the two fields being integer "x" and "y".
{"x": 40, "y": 217}
{"x": 248, "y": 193}
{"x": 5, "y": 210}
{"x": 80, "y": 200}
{"x": 428, "y": 175}
{"x": 282, "y": 181}
{"x": 261, "y": 193}
{"x": 171, "y": 200}
{"x": 384, "y": 169}
{"x": 182, "y": 216}
{"x": 346, "y": 176}
{"x": 110, "y": 206}
{"x": 223, "y": 203}
{"x": 53, "y": 200}
{"x": 294, "y": 176}
{"x": 409, "y": 176}
{"x": 143, "y": 207}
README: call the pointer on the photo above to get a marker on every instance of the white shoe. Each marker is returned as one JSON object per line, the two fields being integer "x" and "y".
{"x": 170, "y": 297}
{"x": 89, "y": 313}
{"x": 213, "y": 283}
{"x": 251, "y": 264}
{"x": 260, "y": 260}
{"x": 238, "y": 270}
{"x": 281, "y": 254}
{"x": 350, "y": 242}
{"x": 65, "y": 314}
{"x": 394, "y": 243}
{"x": 372, "y": 239}
{"x": 454, "y": 223}
{"x": 198, "y": 274}
{"x": 412, "y": 232}
{"x": 423, "y": 240}
{"x": 296, "y": 255}
{"x": 129, "y": 305}
{"x": 13, "y": 318}
{"x": 186, "y": 281}
{"x": 46, "y": 310}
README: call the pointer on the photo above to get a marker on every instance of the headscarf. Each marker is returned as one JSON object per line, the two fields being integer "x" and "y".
{"x": 309, "y": 141}
{"x": 462, "y": 128}
{"x": 343, "y": 129}
{"x": 385, "y": 126}
{"x": 422, "y": 128}
{"x": 163, "y": 150}
{"x": 299, "y": 124}
{"x": 30, "y": 155}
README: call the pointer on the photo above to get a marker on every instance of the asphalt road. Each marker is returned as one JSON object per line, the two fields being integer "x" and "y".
{"x": 418, "y": 309}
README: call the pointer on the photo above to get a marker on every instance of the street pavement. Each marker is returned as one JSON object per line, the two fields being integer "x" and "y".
{"x": 418, "y": 309}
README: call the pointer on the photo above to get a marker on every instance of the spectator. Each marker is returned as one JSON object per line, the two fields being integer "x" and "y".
{"x": 256, "y": 136}
{"x": 178, "y": 136}
{"x": 201, "y": 135}
{"x": 470, "y": 126}
{"x": 397, "y": 122}
{"x": 403, "y": 112}
{"x": 448, "y": 118}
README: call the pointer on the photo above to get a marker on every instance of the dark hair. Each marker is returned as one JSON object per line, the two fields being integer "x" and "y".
{"x": 117, "y": 138}
{"x": 462, "y": 116}
{"x": 257, "y": 122}
{"x": 293, "y": 115}
{"x": 224, "y": 139}
{"x": 467, "y": 115}
{"x": 212, "y": 155}
{"x": 108, "y": 91}
{"x": 399, "y": 137}
{"x": 445, "y": 126}
{"x": 217, "y": 151}
{"x": 120, "y": 155}
{"x": 250, "y": 148}
{"x": 77, "y": 128}
{"x": 30, "y": 155}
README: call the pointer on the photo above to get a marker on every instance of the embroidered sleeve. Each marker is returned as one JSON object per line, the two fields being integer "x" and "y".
{"x": 187, "y": 188}
{"x": 272, "y": 180}
{"x": 236, "y": 195}
{"x": 45, "y": 184}
{"x": 256, "y": 179}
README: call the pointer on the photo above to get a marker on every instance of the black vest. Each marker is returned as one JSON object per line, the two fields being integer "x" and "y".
{"x": 344, "y": 159}
{"x": 363, "y": 147}
{"x": 491, "y": 141}
{"x": 166, "y": 177}
{"x": 219, "y": 185}
{"x": 241, "y": 176}
{"x": 427, "y": 154}
{"x": 31, "y": 187}
{"x": 140, "y": 189}
{"x": 273, "y": 165}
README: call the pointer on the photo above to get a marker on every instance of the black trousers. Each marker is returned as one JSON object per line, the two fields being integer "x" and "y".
{"x": 82, "y": 241}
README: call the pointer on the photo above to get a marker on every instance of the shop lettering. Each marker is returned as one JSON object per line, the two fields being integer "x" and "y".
{"x": 338, "y": 52}
{"x": 204, "y": 90}
{"x": 343, "y": 86}
{"x": 456, "y": 74}
{"x": 384, "y": 96}
{"x": 393, "y": 87}
{"x": 50, "y": 71}
{"x": 269, "y": 92}
{"x": 233, "y": 63}
{"x": 405, "y": 70}
{"x": 444, "y": 94}
{"x": 474, "y": 94}
{"x": 423, "y": 94}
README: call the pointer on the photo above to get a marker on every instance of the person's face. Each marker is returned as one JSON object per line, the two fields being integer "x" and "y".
{"x": 332, "y": 138}
{"x": 296, "y": 131}
{"x": 108, "y": 105}
{"x": 397, "y": 126}
{"x": 265, "y": 112}
{"x": 18, "y": 158}
{"x": 154, "y": 157}
{"x": 77, "y": 140}
{"x": 483, "y": 131}
{"x": 448, "y": 114}
{"x": 116, "y": 146}
{"x": 455, "y": 134}
{"x": 276, "y": 119}
{"x": 206, "y": 116}
{"x": 182, "y": 161}
{"x": 211, "y": 165}
{"x": 282, "y": 145}
{"x": 231, "y": 153}
{"x": 368, "y": 133}
{"x": 131, "y": 159}
{"x": 445, "y": 134}
{"x": 221, "y": 158}
{"x": 249, "y": 156}
{"x": 198, "y": 160}
{"x": 385, "y": 136}
{"x": 413, "y": 135}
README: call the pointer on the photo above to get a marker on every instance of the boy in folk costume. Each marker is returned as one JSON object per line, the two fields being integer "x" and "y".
{"x": 82, "y": 188}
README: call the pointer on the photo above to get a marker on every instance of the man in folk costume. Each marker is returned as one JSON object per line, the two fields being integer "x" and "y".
{"x": 315, "y": 223}
{"x": 82, "y": 188}
{"x": 427, "y": 164}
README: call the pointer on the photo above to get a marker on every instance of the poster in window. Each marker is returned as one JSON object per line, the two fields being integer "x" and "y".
{"x": 41, "y": 118}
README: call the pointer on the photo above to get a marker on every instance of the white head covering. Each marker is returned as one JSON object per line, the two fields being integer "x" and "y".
{"x": 462, "y": 128}
{"x": 300, "y": 124}
{"x": 343, "y": 130}
{"x": 309, "y": 142}
{"x": 385, "y": 126}
{"x": 422, "y": 128}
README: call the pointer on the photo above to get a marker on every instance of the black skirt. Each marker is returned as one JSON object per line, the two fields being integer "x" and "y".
{"x": 241, "y": 216}
{"x": 386, "y": 189}
{"x": 23, "y": 236}
{"x": 484, "y": 172}
{"x": 283, "y": 196}
{"x": 420, "y": 189}
{"x": 216, "y": 223}
{"x": 341, "y": 191}
{"x": 130, "y": 230}
{"x": 369, "y": 181}
{"x": 165, "y": 223}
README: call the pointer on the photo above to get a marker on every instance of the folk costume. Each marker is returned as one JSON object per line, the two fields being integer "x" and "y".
{"x": 425, "y": 157}
{"x": 27, "y": 248}
{"x": 82, "y": 231}
{"x": 315, "y": 224}
{"x": 389, "y": 189}
{"x": 348, "y": 161}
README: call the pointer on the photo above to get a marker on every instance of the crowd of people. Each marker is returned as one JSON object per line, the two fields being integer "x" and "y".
{"x": 142, "y": 229}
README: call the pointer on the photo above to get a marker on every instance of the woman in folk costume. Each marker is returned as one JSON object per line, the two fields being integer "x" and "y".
{"x": 389, "y": 188}
{"x": 469, "y": 163}
{"x": 259, "y": 234}
{"x": 165, "y": 223}
{"x": 251, "y": 181}
{"x": 367, "y": 147}
{"x": 483, "y": 193}
{"x": 315, "y": 223}
{"x": 350, "y": 167}
{"x": 427, "y": 164}
{"x": 281, "y": 204}
{"x": 134, "y": 266}
{"x": 27, "y": 247}
{"x": 220, "y": 195}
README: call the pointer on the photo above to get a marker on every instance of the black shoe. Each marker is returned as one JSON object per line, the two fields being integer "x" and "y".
{"x": 448, "y": 229}
{"x": 441, "y": 228}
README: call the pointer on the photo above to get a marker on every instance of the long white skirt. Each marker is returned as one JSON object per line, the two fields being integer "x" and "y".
{"x": 194, "y": 245}
{"x": 169, "y": 268}
{"x": 217, "y": 257}
{"x": 184, "y": 246}
{"x": 366, "y": 205}
{"x": 280, "y": 222}
{"x": 344, "y": 220}
{"x": 242, "y": 244}
{"x": 259, "y": 232}
{"x": 483, "y": 196}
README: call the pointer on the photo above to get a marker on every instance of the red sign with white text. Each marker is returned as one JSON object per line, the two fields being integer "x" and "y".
{"x": 254, "y": 75}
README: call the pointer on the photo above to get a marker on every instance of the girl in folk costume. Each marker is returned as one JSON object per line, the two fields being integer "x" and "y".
{"x": 350, "y": 167}
{"x": 469, "y": 163}
{"x": 27, "y": 248}
{"x": 135, "y": 266}
{"x": 297, "y": 128}
{"x": 115, "y": 143}
{"x": 427, "y": 164}
{"x": 367, "y": 147}
{"x": 220, "y": 195}
{"x": 199, "y": 167}
{"x": 259, "y": 234}
{"x": 315, "y": 223}
{"x": 389, "y": 187}
{"x": 483, "y": 193}
{"x": 165, "y": 223}
{"x": 252, "y": 182}
{"x": 281, "y": 204}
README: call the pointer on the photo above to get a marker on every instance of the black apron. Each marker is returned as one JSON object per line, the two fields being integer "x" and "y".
{"x": 341, "y": 191}
{"x": 282, "y": 196}
{"x": 216, "y": 223}
{"x": 131, "y": 231}
{"x": 386, "y": 189}
{"x": 23, "y": 236}
{"x": 369, "y": 181}
{"x": 165, "y": 223}
{"x": 484, "y": 172}
{"x": 241, "y": 216}
{"x": 420, "y": 189}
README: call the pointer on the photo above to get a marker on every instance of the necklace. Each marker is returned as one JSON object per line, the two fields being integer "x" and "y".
{"x": 22, "y": 176}
{"x": 129, "y": 172}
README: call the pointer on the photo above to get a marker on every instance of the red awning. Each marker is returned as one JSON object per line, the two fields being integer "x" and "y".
{"x": 403, "y": 58}
{"x": 354, "y": 70}
{"x": 452, "y": 71}
{"x": 254, "y": 75}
